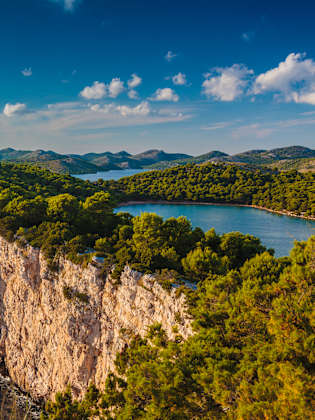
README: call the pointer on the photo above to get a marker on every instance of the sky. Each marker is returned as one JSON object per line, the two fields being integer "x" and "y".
{"x": 183, "y": 76}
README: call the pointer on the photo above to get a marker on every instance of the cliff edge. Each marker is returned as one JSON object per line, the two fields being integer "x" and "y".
{"x": 66, "y": 327}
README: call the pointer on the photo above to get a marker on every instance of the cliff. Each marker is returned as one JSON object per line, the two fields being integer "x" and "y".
{"x": 66, "y": 327}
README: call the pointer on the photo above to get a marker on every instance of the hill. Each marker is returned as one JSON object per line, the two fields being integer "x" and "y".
{"x": 50, "y": 160}
{"x": 88, "y": 163}
{"x": 288, "y": 192}
{"x": 207, "y": 157}
{"x": 267, "y": 157}
{"x": 251, "y": 313}
{"x": 252, "y": 157}
{"x": 285, "y": 158}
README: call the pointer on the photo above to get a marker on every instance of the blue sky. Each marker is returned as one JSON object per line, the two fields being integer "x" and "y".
{"x": 95, "y": 75}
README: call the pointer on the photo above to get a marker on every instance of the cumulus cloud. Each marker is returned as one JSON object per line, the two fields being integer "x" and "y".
{"x": 115, "y": 88}
{"x": 96, "y": 91}
{"x": 101, "y": 90}
{"x": 134, "y": 81}
{"x": 133, "y": 94}
{"x": 179, "y": 79}
{"x": 142, "y": 109}
{"x": 293, "y": 80}
{"x": 104, "y": 109}
{"x": 170, "y": 56}
{"x": 226, "y": 84}
{"x": 27, "y": 72}
{"x": 68, "y": 5}
{"x": 166, "y": 94}
{"x": 14, "y": 109}
{"x": 70, "y": 124}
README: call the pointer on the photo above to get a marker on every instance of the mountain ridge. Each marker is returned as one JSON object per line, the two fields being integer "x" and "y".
{"x": 157, "y": 159}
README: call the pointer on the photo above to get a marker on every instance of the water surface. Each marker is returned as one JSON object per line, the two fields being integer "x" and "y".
{"x": 114, "y": 174}
{"x": 274, "y": 230}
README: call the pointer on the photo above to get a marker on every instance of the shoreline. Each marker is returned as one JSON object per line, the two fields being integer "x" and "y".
{"x": 280, "y": 212}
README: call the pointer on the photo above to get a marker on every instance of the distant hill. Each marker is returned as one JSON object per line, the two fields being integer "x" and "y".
{"x": 90, "y": 162}
{"x": 50, "y": 160}
{"x": 301, "y": 165}
{"x": 272, "y": 158}
{"x": 207, "y": 157}
{"x": 266, "y": 157}
{"x": 293, "y": 157}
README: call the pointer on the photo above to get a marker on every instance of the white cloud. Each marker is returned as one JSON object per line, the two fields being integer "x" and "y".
{"x": 133, "y": 94}
{"x": 14, "y": 109}
{"x": 170, "y": 56}
{"x": 293, "y": 80}
{"x": 101, "y": 90}
{"x": 115, "y": 88}
{"x": 96, "y": 91}
{"x": 226, "y": 84}
{"x": 134, "y": 81}
{"x": 77, "y": 118}
{"x": 72, "y": 125}
{"x": 179, "y": 79}
{"x": 27, "y": 72}
{"x": 105, "y": 108}
{"x": 68, "y": 5}
{"x": 166, "y": 94}
{"x": 142, "y": 109}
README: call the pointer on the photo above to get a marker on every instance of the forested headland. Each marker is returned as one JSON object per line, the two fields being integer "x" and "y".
{"x": 290, "y": 191}
{"x": 252, "y": 352}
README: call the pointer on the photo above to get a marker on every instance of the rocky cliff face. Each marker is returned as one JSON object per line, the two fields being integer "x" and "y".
{"x": 66, "y": 327}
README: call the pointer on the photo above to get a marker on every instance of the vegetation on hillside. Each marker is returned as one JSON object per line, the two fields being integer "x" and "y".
{"x": 252, "y": 157}
{"x": 218, "y": 183}
{"x": 251, "y": 357}
{"x": 301, "y": 165}
{"x": 65, "y": 216}
{"x": 252, "y": 354}
{"x": 155, "y": 159}
{"x": 89, "y": 162}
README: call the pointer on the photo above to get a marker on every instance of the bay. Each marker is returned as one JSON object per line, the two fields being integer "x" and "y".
{"x": 274, "y": 230}
{"x": 114, "y": 174}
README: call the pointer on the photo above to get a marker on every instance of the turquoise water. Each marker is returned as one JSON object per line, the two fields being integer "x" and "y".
{"x": 107, "y": 175}
{"x": 275, "y": 231}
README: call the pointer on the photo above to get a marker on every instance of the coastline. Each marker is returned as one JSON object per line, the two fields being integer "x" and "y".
{"x": 280, "y": 212}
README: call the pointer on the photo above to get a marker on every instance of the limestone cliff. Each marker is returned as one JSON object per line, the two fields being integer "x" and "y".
{"x": 66, "y": 327}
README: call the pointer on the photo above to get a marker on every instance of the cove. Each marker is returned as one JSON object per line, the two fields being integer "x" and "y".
{"x": 114, "y": 174}
{"x": 274, "y": 230}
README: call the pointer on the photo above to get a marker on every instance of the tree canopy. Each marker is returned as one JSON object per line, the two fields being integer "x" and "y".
{"x": 221, "y": 183}
{"x": 251, "y": 356}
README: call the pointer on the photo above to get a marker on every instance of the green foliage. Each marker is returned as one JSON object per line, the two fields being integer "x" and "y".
{"x": 63, "y": 207}
{"x": 221, "y": 183}
{"x": 251, "y": 357}
{"x": 66, "y": 408}
{"x": 66, "y": 217}
{"x": 252, "y": 354}
{"x": 59, "y": 214}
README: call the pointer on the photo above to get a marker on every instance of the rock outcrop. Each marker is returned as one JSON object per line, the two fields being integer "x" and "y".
{"x": 66, "y": 327}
